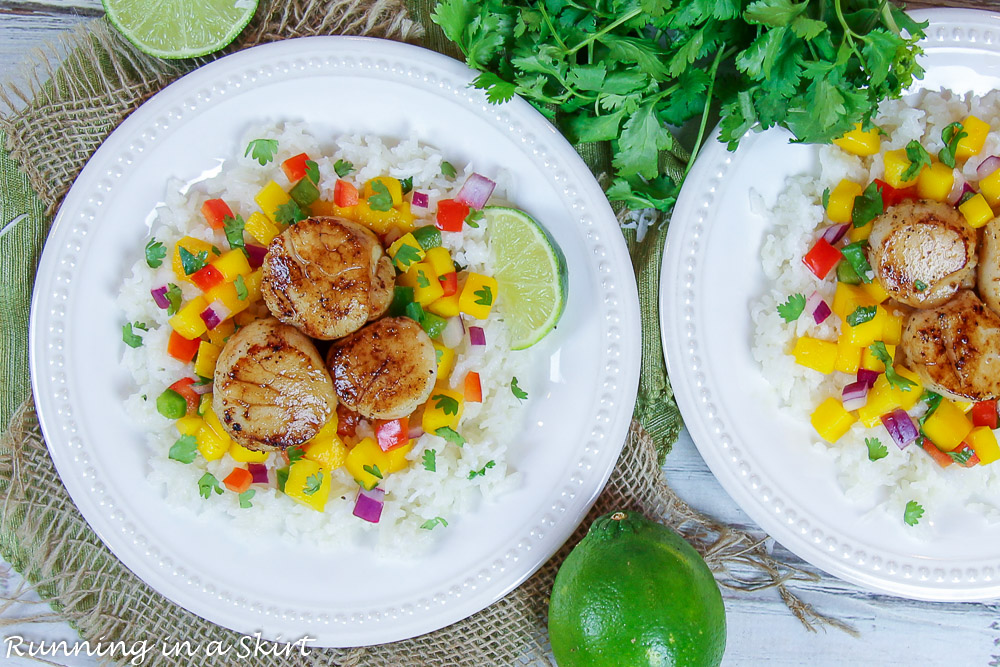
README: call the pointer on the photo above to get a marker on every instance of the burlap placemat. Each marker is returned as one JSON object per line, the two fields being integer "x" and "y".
{"x": 67, "y": 110}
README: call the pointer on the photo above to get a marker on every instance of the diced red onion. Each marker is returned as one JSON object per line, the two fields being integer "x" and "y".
{"x": 957, "y": 189}
{"x": 214, "y": 314}
{"x": 419, "y": 199}
{"x": 369, "y": 504}
{"x": 834, "y": 233}
{"x": 475, "y": 191}
{"x": 867, "y": 376}
{"x": 452, "y": 334}
{"x": 987, "y": 167}
{"x": 900, "y": 427}
{"x": 477, "y": 336}
{"x": 160, "y": 297}
{"x": 258, "y": 472}
{"x": 855, "y": 396}
{"x": 255, "y": 255}
{"x": 205, "y": 388}
{"x": 817, "y": 307}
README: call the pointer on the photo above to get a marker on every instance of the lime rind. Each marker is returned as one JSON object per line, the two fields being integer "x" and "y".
{"x": 174, "y": 29}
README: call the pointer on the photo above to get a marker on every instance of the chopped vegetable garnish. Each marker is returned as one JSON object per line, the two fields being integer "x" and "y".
{"x": 951, "y": 135}
{"x": 241, "y": 288}
{"x": 867, "y": 206}
{"x": 919, "y": 285}
{"x": 826, "y": 198}
{"x": 131, "y": 338}
{"x": 482, "y": 471}
{"x": 855, "y": 255}
{"x": 430, "y": 460}
{"x": 315, "y": 481}
{"x": 343, "y": 167}
{"x": 428, "y": 237}
{"x": 184, "y": 449}
{"x": 821, "y": 258}
{"x": 961, "y": 456}
{"x": 448, "y": 170}
{"x": 430, "y": 523}
{"x": 171, "y": 405}
{"x": 294, "y": 453}
{"x": 792, "y": 308}
{"x": 876, "y": 450}
{"x": 312, "y": 171}
{"x": 289, "y": 213}
{"x": 381, "y": 200}
{"x": 234, "y": 232}
{"x": 245, "y": 498}
{"x": 192, "y": 263}
{"x": 345, "y": 194}
{"x": 372, "y": 470}
{"x": 174, "y": 296}
{"x": 406, "y": 184}
{"x": 207, "y": 484}
{"x": 446, "y": 403}
{"x": 262, "y": 150}
{"x": 451, "y": 435}
{"x": 155, "y": 252}
{"x": 912, "y": 513}
{"x": 861, "y": 315}
{"x": 919, "y": 158}
{"x": 475, "y": 215}
{"x": 484, "y": 296}
{"x": 895, "y": 379}
{"x": 519, "y": 393}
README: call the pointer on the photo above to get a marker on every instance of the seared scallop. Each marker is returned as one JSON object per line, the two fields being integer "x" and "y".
{"x": 272, "y": 390}
{"x": 327, "y": 276}
{"x": 384, "y": 371}
{"x": 922, "y": 252}
{"x": 989, "y": 265}
{"x": 955, "y": 348}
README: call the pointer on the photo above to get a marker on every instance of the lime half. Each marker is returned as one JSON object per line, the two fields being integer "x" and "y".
{"x": 180, "y": 28}
{"x": 531, "y": 274}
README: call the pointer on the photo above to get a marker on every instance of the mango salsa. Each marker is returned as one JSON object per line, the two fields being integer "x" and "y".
{"x": 308, "y": 484}
{"x": 831, "y": 420}
{"x": 365, "y": 460}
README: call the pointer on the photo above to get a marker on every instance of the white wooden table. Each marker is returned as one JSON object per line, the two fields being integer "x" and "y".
{"x": 893, "y": 631}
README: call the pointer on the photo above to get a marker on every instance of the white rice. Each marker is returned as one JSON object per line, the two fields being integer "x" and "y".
{"x": 904, "y": 475}
{"x": 414, "y": 495}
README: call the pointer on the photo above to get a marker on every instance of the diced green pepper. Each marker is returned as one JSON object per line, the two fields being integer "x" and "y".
{"x": 428, "y": 237}
{"x": 281, "y": 476}
{"x": 415, "y": 311}
{"x": 171, "y": 405}
{"x": 855, "y": 255}
{"x": 847, "y": 274}
{"x": 433, "y": 324}
{"x": 204, "y": 404}
{"x": 401, "y": 298}
{"x": 304, "y": 193}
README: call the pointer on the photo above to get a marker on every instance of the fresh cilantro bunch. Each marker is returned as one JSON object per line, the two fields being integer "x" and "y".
{"x": 627, "y": 71}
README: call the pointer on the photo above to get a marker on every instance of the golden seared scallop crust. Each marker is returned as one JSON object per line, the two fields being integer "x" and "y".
{"x": 327, "y": 276}
{"x": 922, "y": 252}
{"x": 989, "y": 265}
{"x": 955, "y": 348}
{"x": 272, "y": 390}
{"x": 384, "y": 371}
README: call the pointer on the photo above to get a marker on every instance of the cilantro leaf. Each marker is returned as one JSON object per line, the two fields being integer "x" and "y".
{"x": 380, "y": 199}
{"x": 184, "y": 449}
{"x": 497, "y": 90}
{"x": 312, "y": 171}
{"x": 313, "y": 483}
{"x": 876, "y": 450}
{"x": 792, "y": 307}
{"x": 519, "y": 393}
{"x": 826, "y": 198}
{"x": 961, "y": 456}
{"x": 155, "y": 252}
{"x": 643, "y": 137}
{"x": 246, "y": 497}
{"x": 373, "y": 470}
{"x": 430, "y": 523}
{"x": 485, "y": 295}
{"x": 405, "y": 256}
{"x": 192, "y": 263}
{"x": 406, "y": 184}
{"x": 294, "y": 454}
{"x": 422, "y": 279}
{"x": 854, "y": 253}
{"x": 129, "y": 337}
{"x": 862, "y": 314}
{"x": 918, "y": 157}
{"x": 445, "y": 403}
{"x": 912, "y": 513}
{"x": 241, "y": 288}
{"x": 951, "y": 135}
{"x": 482, "y": 471}
{"x": 262, "y": 150}
{"x": 451, "y": 435}
{"x": 289, "y": 213}
{"x": 895, "y": 379}
{"x": 919, "y": 285}
{"x": 207, "y": 484}
{"x": 448, "y": 170}
{"x": 174, "y": 297}
{"x": 867, "y": 206}
{"x": 430, "y": 460}
{"x": 343, "y": 167}
{"x": 474, "y": 217}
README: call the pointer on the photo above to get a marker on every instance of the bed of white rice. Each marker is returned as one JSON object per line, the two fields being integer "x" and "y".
{"x": 904, "y": 475}
{"x": 413, "y": 496}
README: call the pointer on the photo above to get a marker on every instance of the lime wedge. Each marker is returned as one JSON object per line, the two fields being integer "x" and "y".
{"x": 531, "y": 274}
{"x": 180, "y": 28}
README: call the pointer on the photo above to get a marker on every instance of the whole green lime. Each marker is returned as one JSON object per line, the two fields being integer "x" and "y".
{"x": 634, "y": 593}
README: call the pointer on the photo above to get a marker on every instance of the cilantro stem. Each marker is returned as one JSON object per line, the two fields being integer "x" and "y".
{"x": 552, "y": 28}
{"x": 624, "y": 18}
{"x": 719, "y": 56}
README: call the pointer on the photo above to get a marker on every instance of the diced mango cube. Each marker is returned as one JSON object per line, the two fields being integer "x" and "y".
{"x": 381, "y": 221}
{"x": 244, "y": 455}
{"x": 261, "y": 228}
{"x": 881, "y": 400}
{"x": 445, "y": 306}
{"x": 964, "y": 406}
{"x": 440, "y": 260}
{"x": 990, "y": 188}
{"x": 193, "y": 246}
{"x": 326, "y": 448}
{"x": 868, "y": 332}
{"x": 977, "y": 210}
{"x": 841, "y": 203}
{"x": 831, "y": 420}
{"x": 189, "y": 424}
{"x": 405, "y": 252}
{"x": 226, "y": 294}
{"x": 445, "y": 360}
{"x": 232, "y": 264}
{"x": 204, "y": 363}
{"x": 875, "y": 290}
{"x": 984, "y": 443}
{"x": 219, "y": 334}
{"x": 819, "y": 355}
{"x": 365, "y": 460}
{"x": 870, "y": 362}
{"x": 848, "y": 356}
{"x": 896, "y": 163}
{"x": 212, "y": 445}
{"x": 478, "y": 296}
{"x": 426, "y": 286}
{"x": 308, "y": 484}
{"x": 892, "y": 329}
{"x": 860, "y": 142}
{"x": 935, "y": 182}
{"x": 973, "y": 143}
{"x": 846, "y": 299}
{"x": 947, "y": 426}
{"x": 213, "y": 422}
{"x": 444, "y": 408}
{"x": 397, "y": 457}
{"x": 907, "y": 398}
{"x": 862, "y": 233}
{"x": 187, "y": 321}
{"x": 270, "y": 197}
{"x": 391, "y": 184}
{"x": 252, "y": 282}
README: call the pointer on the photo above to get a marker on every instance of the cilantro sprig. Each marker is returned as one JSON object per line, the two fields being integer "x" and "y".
{"x": 430, "y": 523}
{"x": 918, "y": 157}
{"x": 155, "y": 252}
{"x": 343, "y": 167}
{"x": 184, "y": 449}
{"x": 895, "y": 379}
{"x": 912, "y": 513}
{"x": 876, "y": 450}
{"x": 129, "y": 337}
{"x": 430, "y": 460}
{"x": 190, "y": 262}
{"x": 380, "y": 199}
{"x": 951, "y": 135}
{"x": 262, "y": 150}
{"x": 207, "y": 484}
{"x": 519, "y": 393}
{"x": 792, "y": 307}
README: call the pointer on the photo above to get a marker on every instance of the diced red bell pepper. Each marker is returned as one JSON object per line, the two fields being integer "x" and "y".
{"x": 295, "y": 167}
{"x": 208, "y": 277}
{"x": 183, "y": 387}
{"x": 473, "y": 388}
{"x": 450, "y": 215}
{"x": 182, "y": 349}
{"x": 347, "y": 421}
{"x": 239, "y": 480}
{"x": 821, "y": 258}
{"x": 984, "y": 413}
{"x": 392, "y": 433}
{"x": 449, "y": 283}
{"x": 216, "y": 211}
{"x": 344, "y": 194}
{"x": 892, "y": 196}
{"x": 972, "y": 460}
{"x": 939, "y": 457}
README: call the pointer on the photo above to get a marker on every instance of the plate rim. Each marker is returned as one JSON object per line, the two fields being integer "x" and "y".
{"x": 949, "y": 28}
{"x": 619, "y": 329}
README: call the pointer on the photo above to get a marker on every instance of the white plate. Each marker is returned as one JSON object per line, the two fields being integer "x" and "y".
{"x": 577, "y": 420}
{"x": 712, "y": 273}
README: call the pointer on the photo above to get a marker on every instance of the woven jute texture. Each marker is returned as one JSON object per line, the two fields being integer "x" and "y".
{"x": 68, "y": 108}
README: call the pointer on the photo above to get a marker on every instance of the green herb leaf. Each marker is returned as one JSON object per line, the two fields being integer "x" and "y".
{"x": 192, "y": 263}
{"x": 294, "y": 454}
{"x": 216, "y": 251}
{"x": 895, "y": 379}
{"x": 262, "y": 150}
{"x": 485, "y": 295}
{"x": 289, "y": 213}
{"x": 314, "y": 482}
{"x": 519, "y": 393}
{"x": 406, "y": 184}
{"x": 792, "y": 307}
{"x": 867, "y": 206}
{"x": 246, "y": 497}
{"x": 474, "y": 217}
{"x": 423, "y": 280}
{"x": 405, "y": 256}
{"x": 241, "y": 288}
{"x": 448, "y": 170}
{"x": 373, "y": 470}
{"x": 234, "y": 233}
{"x": 184, "y": 449}
{"x": 497, "y": 90}
{"x": 445, "y": 403}
{"x": 380, "y": 199}
{"x": 451, "y": 435}
{"x": 918, "y": 157}
{"x": 281, "y": 477}
{"x": 430, "y": 523}
{"x": 961, "y": 456}
{"x": 861, "y": 315}
{"x": 951, "y": 135}
{"x": 130, "y": 337}
{"x": 430, "y": 460}
{"x": 207, "y": 484}
{"x": 876, "y": 450}
{"x": 919, "y": 285}
{"x": 174, "y": 297}
{"x": 854, "y": 253}
{"x": 912, "y": 513}
{"x": 343, "y": 167}
{"x": 312, "y": 171}
{"x": 155, "y": 252}
{"x": 482, "y": 471}
{"x": 826, "y": 198}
